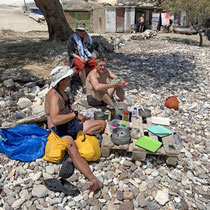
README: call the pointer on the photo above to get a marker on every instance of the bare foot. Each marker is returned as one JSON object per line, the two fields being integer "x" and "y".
{"x": 95, "y": 184}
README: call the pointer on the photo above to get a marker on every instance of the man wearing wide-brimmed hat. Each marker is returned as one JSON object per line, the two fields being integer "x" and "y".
{"x": 80, "y": 47}
{"x": 66, "y": 122}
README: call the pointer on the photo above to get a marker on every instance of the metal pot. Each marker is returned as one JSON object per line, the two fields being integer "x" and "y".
{"x": 121, "y": 136}
{"x": 99, "y": 115}
{"x": 145, "y": 113}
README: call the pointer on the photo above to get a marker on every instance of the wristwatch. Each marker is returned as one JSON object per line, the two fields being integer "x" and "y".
{"x": 76, "y": 113}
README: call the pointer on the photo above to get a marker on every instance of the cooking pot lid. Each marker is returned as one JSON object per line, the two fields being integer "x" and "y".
{"x": 121, "y": 136}
{"x": 121, "y": 132}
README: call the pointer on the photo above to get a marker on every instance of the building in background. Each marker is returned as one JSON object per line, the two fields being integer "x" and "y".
{"x": 121, "y": 18}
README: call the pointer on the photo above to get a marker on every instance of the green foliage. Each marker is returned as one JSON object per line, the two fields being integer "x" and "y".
{"x": 196, "y": 10}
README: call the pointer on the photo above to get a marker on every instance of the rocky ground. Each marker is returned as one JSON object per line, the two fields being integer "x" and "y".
{"x": 162, "y": 66}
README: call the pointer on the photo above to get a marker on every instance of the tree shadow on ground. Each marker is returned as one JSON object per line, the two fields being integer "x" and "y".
{"x": 186, "y": 41}
{"x": 17, "y": 52}
{"x": 155, "y": 70}
{"x": 141, "y": 70}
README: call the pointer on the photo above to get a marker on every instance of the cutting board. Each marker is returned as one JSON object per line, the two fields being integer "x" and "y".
{"x": 160, "y": 120}
{"x": 159, "y": 130}
{"x": 148, "y": 143}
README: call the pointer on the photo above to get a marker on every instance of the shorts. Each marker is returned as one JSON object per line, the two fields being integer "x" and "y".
{"x": 93, "y": 102}
{"x": 141, "y": 24}
{"x": 79, "y": 65}
{"x": 70, "y": 128}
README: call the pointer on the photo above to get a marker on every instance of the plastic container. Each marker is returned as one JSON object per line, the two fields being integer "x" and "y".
{"x": 134, "y": 113}
{"x": 124, "y": 124}
{"x": 120, "y": 107}
{"x": 135, "y": 133}
{"x": 177, "y": 140}
{"x": 89, "y": 115}
{"x": 125, "y": 116}
{"x": 98, "y": 115}
{"x": 118, "y": 123}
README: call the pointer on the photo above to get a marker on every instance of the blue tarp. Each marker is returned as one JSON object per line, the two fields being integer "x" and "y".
{"x": 37, "y": 11}
{"x": 23, "y": 142}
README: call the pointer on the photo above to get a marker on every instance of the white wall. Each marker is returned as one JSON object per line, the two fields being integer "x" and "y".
{"x": 183, "y": 20}
{"x": 129, "y": 18}
{"x": 110, "y": 15}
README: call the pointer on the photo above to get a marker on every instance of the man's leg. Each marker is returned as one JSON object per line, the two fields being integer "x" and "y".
{"x": 82, "y": 75}
{"x": 107, "y": 99}
{"x": 120, "y": 93}
{"x": 80, "y": 68}
{"x": 94, "y": 126}
{"x": 105, "y": 96}
{"x": 82, "y": 165}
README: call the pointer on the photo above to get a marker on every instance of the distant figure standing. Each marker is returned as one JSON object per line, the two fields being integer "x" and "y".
{"x": 170, "y": 27}
{"x": 141, "y": 23}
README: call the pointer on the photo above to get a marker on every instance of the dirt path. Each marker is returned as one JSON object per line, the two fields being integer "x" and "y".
{"x": 13, "y": 18}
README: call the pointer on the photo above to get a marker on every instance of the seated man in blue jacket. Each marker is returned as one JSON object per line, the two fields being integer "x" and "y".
{"x": 80, "y": 47}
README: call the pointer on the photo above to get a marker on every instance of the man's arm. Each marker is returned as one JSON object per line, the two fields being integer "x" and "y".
{"x": 72, "y": 51}
{"x": 80, "y": 58}
{"x": 56, "y": 118}
{"x": 101, "y": 86}
{"x": 112, "y": 76}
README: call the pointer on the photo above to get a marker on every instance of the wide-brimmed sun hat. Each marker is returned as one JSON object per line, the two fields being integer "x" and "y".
{"x": 59, "y": 73}
{"x": 81, "y": 26}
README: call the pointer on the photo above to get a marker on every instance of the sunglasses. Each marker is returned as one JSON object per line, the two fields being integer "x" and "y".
{"x": 80, "y": 30}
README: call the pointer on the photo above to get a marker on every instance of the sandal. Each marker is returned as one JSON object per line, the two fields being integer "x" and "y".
{"x": 61, "y": 185}
{"x": 68, "y": 185}
{"x": 67, "y": 169}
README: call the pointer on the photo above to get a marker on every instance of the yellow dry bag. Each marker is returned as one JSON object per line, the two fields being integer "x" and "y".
{"x": 55, "y": 149}
{"x": 88, "y": 146}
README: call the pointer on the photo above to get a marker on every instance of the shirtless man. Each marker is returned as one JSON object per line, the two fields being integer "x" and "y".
{"x": 99, "y": 92}
{"x": 66, "y": 122}
{"x": 141, "y": 23}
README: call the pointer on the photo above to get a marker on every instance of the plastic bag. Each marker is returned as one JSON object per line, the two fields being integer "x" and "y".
{"x": 55, "y": 149}
{"x": 88, "y": 146}
{"x": 172, "y": 103}
{"x": 23, "y": 142}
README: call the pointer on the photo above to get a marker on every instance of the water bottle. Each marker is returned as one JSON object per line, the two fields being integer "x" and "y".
{"x": 128, "y": 98}
{"x": 134, "y": 113}
{"x": 177, "y": 140}
{"x": 111, "y": 114}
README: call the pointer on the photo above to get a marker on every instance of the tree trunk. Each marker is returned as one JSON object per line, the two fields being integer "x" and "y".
{"x": 201, "y": 39}
{"x": 58, "y": 28}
